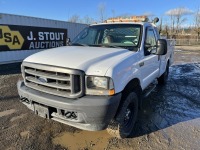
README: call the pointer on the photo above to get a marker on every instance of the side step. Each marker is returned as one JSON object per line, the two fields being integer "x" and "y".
{"x": 149, "y": 89}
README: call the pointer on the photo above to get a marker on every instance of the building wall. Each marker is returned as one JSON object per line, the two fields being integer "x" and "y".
{"x": 17, "y": 56}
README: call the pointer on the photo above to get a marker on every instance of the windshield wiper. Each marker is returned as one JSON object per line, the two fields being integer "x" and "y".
{"x": 78, "y": 44}
{"x": 112, "y": 46}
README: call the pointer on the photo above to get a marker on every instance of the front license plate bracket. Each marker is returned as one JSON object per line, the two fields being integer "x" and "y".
{"x": 41, "y": 110}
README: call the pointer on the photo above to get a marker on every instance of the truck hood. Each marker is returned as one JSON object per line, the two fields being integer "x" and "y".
{"x": 92, "y": 60}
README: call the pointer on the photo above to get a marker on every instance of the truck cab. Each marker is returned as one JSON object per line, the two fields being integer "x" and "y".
{"x": 97, "y": 82}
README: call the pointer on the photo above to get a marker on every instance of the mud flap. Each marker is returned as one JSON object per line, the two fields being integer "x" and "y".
{"x": 42, "y": 111}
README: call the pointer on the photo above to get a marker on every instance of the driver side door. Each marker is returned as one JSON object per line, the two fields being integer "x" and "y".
{"x": 150, "y": 68}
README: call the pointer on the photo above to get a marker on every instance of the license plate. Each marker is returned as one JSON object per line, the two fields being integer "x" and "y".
{"x": 42, "y": 111}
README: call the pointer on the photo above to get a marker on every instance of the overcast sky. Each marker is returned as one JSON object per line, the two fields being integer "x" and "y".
{"x": 63, "y": 9}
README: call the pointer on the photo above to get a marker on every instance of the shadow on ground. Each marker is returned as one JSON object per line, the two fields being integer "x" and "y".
{"x": 6, "y": 69}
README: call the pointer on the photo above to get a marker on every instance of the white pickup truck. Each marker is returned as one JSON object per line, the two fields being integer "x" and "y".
{"x": 98, "y": 81}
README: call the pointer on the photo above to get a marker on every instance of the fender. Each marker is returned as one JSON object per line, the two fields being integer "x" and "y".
{"x": 126, "y": 70}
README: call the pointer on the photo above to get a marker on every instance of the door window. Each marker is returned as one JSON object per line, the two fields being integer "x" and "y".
{"x": 150, "y": 41}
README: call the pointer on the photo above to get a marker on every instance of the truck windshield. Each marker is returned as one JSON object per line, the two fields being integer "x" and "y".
{"x": 111, "y": 35}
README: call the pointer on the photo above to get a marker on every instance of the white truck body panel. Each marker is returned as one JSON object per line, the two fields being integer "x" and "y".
{"x": 124, "y": 71}
{"x": 150, "y": 70}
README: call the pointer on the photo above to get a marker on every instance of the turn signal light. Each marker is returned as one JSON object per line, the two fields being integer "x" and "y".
{"x": 111, "y": 92}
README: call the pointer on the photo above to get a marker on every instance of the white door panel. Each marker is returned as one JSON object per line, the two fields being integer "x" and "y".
{"x": 150, "y": 70}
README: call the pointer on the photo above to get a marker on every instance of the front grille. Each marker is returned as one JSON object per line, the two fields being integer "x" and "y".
{"x": 54, "y": 80}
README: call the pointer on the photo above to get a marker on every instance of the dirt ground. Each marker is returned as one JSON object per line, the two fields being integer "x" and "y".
{"x": 170, "y": 118}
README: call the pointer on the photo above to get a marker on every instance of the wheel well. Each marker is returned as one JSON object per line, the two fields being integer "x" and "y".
{"x": 168, "y": 63}
{"x": 133, "y": 85}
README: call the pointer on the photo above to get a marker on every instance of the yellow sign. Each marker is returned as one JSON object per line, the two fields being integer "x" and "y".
{"x": 12, "y": 39}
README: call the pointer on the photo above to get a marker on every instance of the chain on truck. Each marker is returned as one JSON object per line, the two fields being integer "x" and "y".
{"x": 98, "y": 81}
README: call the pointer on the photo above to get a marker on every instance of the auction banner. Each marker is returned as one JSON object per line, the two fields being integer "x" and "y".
{"x": 14, "y": 37}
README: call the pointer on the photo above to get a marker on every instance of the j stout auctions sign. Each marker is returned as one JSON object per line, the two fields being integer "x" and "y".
{"x": 14, "y": 37}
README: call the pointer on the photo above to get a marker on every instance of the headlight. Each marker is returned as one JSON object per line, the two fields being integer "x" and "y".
{"x": 99, "y": 86}
{"x": 97, "y": 82}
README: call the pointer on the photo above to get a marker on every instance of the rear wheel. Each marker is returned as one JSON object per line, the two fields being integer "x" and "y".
{"x": 163, "y": 78}
{"x": 124, "y": 122}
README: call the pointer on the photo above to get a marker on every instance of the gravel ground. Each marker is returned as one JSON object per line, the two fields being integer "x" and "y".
{"x": 170, "y": 118}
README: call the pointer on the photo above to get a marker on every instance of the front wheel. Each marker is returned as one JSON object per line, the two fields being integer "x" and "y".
{"x": 122, "y": 126}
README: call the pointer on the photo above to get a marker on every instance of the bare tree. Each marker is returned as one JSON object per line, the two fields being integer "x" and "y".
{"x": 172, "y": 20}
{"x": 78, "y": 19}
{"x": 74, "y": 19}
{"x": 177, "y": 18}
{"x": 165, "y": 31}
{"x": 197, "y": 23}
{"x": 87, "y": 20}
{"x": 160, "y": 28}
{"x": 102, "y": 11}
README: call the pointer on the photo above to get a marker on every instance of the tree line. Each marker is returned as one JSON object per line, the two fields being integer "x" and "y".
{"x": 174, "y": 26}
{"x": 176, "y": 23}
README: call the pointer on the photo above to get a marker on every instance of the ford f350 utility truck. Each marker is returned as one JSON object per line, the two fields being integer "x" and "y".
{"x": 98, "y": 81}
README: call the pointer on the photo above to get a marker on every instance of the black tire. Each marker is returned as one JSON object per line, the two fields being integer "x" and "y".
{"x": 162, "y": 80}
{"x": 124, "y": 122}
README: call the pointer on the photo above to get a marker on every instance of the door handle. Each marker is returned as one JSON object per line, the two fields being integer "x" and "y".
{"x": 141, "y": 64}
{"x": 1, "y": 34}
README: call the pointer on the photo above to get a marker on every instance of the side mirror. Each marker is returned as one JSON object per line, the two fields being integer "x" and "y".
{"x": 68, "y": 41}
{"x": 161, "y": 47}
